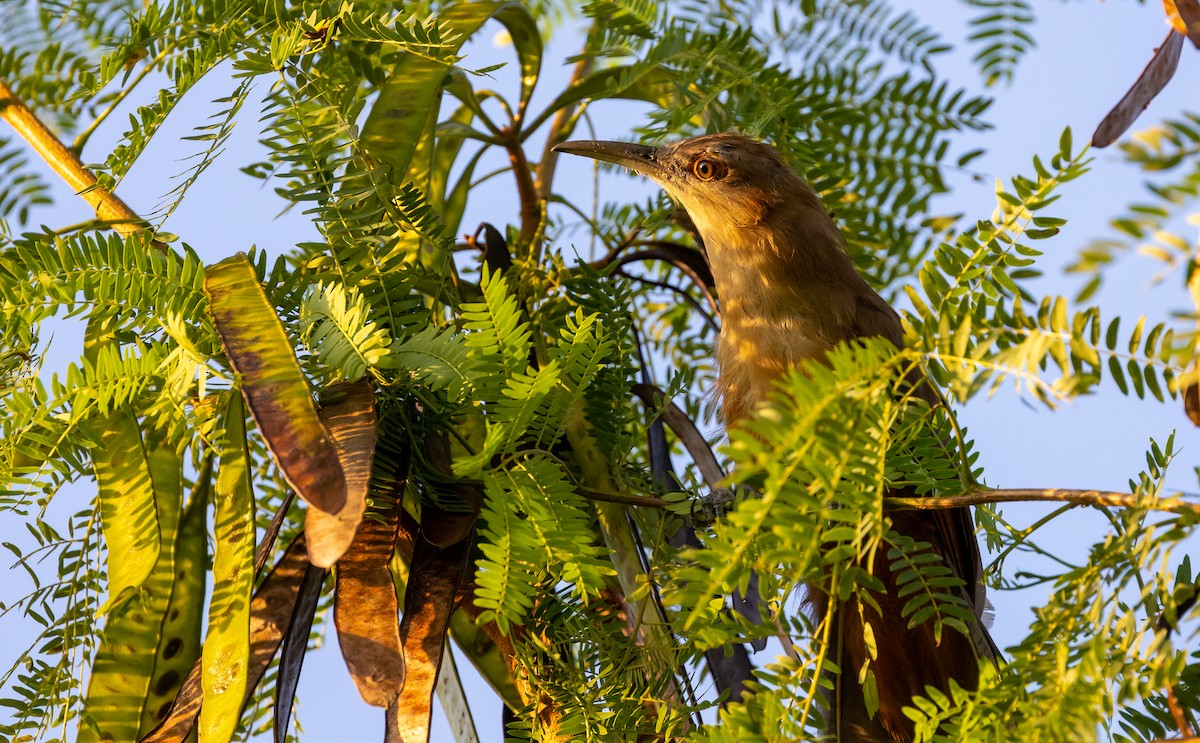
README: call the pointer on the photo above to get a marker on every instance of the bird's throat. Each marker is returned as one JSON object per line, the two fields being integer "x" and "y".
{"x": 768, "y": 327}
{"x": 788, "y": 295}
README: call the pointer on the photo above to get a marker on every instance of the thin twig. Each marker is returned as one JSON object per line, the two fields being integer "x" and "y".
{"x": 701, "y": 270}
{"x": 686, "y": 270}
{"x": 708, "y": 318}
{"x": 686, "y": 431}
{"x": 60, "y": 158}
{"x": 149, "y": 67}
{"x": 531, "y": 209}
{"x": 663, "y": 252}
{"x": 1046, "y": 495}
{"x": 628, "y": 499}
{"x": 713, "y": 475}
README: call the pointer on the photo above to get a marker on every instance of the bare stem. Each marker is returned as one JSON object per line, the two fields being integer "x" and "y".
{"x": 109, "y": 208}
{"x": 1048, "y": 495}
{"x": 626, "y": 498}
{"x": 1179, "y": 714}
{"x": 1096, "y": 498}
{"x": 531, "y": 211}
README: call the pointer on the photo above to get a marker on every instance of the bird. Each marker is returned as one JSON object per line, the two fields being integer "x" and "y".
{"x": 789, "y": 294}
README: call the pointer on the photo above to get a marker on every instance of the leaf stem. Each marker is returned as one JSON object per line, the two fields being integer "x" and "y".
{"x": 85, "y": 135}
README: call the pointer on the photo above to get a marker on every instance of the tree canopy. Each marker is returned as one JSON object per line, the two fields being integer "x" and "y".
{"x": 430, "y": 430}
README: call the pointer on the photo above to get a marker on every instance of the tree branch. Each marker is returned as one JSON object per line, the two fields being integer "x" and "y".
{"x": 685, "y": 429}
{"x": 60, "y": 158}
{"x": 531, "y": 209}
{"x": 1095, "y": 498}
{"x": 629, "y": 499}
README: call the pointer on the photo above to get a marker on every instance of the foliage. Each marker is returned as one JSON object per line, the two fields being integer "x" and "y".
{"x": 502, "y": 367}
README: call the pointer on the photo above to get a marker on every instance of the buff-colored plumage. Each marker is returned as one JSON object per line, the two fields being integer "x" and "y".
{"x": 788, "y": 294}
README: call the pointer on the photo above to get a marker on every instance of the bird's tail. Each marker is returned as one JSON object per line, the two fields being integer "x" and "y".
{"x": 904, "y": 660}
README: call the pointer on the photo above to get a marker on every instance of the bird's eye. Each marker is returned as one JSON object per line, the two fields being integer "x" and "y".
{"x": 705, "y": 169}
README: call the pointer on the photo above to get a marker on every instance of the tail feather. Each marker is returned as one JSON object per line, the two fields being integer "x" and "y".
{"x": 907, "y": 659}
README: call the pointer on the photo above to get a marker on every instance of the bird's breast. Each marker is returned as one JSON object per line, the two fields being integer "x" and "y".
{"x": 754, "y": 352}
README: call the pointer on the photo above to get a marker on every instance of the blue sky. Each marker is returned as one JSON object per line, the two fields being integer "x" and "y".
{"x": 1087, "y": 56}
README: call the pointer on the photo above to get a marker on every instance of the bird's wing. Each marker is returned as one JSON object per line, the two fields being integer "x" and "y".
{"x": 954, "y": 527}
{"x": 875, "y": 317}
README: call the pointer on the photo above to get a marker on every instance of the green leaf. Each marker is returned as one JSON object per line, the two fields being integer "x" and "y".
{"x": 450, "y": 136}
{"x": 1064, "y": 143}
{"x": 335, "y": 321}
{"x": 401, "y": 114}
{"x": 527, "y": 40}
{"x": 438, "y": 358}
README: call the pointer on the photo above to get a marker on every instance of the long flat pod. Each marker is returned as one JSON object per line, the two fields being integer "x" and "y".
{"x": 226, "y": 654}
{"x": 428, "y": 603}
{"x": 128, "y": 515}
{"x": 179, "y": 639}
{"x": 119, "y": 687}
{"x": 273, "y": 384}
{"x": 350, "y": 419}
{"x": 270, "y": 614}
{"x": 366, "y": 608}
{"x": 1149, "y": 84}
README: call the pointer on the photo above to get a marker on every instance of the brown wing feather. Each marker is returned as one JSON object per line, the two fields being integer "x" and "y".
{"x": 908, "y": 659}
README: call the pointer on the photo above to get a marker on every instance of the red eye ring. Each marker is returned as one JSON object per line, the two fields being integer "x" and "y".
{"x": 705, "y": 169}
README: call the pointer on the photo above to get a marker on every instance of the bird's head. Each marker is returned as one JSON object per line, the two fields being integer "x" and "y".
{"x": 724, "y": 181}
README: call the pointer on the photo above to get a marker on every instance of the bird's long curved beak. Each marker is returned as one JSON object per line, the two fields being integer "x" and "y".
{"x": 637, "y": 157}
